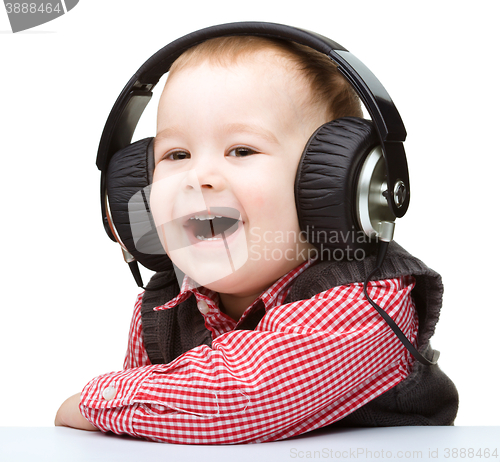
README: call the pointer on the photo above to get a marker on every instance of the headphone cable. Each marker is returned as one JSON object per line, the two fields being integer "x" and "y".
{"x": 381, "y": 253}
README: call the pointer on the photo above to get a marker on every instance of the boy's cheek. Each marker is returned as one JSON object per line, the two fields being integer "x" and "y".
{"x": 259, "y": 202}
{"x": 256, "y": 196}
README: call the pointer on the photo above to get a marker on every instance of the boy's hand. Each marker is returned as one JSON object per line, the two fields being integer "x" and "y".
{"x": 69, "y": 415}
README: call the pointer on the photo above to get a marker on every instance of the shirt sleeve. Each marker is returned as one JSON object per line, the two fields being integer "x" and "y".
{"x": 307, "y": 364}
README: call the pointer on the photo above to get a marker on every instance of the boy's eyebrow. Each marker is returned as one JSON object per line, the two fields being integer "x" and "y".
{"x": 227, "y": 128}
{"x": 252, "y": 130}
{"x": 168, "y": 132}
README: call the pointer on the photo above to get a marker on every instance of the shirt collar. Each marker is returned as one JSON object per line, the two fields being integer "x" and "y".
{"x": 268, "y": 297}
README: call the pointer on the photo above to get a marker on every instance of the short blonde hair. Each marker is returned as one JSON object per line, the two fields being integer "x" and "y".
{"x": 329, "y": 88}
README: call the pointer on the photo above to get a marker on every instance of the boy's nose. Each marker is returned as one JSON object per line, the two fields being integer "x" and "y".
{"x": 214, "y": 183}
{"x": 191, "y": 185}
{"x": 197, "y": 184}
{"x": 206, "y": 177}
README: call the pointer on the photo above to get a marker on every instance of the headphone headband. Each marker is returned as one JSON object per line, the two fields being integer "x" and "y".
{"x": 130, "y": 105}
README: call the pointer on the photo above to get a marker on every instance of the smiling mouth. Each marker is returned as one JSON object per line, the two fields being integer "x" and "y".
{"x": 213, "y": 225}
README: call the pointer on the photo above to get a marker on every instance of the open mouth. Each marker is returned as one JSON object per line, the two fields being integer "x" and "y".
{"x": 214, "y": 224}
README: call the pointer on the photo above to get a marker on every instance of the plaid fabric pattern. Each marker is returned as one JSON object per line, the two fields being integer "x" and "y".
{"x": 307, "y": 364}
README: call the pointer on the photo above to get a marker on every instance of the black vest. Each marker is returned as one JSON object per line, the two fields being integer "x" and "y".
{"x": 426, "y": 397}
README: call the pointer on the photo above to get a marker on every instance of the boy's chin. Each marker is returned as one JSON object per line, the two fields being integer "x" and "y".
{"x": 212, "y": 270}
{"x": 225, "y": 284}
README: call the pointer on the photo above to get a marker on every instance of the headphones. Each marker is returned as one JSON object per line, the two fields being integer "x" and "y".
{"x": 358, "y": 165}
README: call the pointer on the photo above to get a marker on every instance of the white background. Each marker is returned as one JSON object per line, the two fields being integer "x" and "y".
{"x": 67, "y": 296}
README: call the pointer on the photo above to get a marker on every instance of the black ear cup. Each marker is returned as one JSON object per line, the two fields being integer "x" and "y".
{"x": 326, "y": 186}
{"x": 128, "y": 178}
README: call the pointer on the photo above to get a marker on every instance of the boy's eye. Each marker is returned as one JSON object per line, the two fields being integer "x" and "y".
{"x": 177, "y": 155}
{"x": 241, "y": 152}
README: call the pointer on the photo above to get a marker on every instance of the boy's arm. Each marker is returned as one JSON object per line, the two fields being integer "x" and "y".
{"x": 307, "y": 364}
{"x": 69, "y": 415}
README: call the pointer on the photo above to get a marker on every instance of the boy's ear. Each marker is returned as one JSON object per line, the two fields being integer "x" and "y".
{"x": 326, "y": 186}
{"x": 128, "y": 179}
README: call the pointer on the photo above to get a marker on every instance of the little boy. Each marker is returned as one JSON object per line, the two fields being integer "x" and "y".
{"x": 260, "y": 342}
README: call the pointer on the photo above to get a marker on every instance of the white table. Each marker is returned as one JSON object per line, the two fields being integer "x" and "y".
{"x": 55, "y": 444}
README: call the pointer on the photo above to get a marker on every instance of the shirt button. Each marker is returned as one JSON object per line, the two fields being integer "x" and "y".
{"x": 109, "y": 393}
{"x": 203, "y": 307}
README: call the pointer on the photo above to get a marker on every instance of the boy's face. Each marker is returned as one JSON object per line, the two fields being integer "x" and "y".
{"x": 228, "y": 143}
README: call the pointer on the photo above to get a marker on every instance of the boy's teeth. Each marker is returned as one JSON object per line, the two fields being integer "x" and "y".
{"x": 206, "y": 216}
{"x": 201, "y": 238}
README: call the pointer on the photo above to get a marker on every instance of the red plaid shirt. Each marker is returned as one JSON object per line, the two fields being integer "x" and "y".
{"x": 307, "y": 364}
